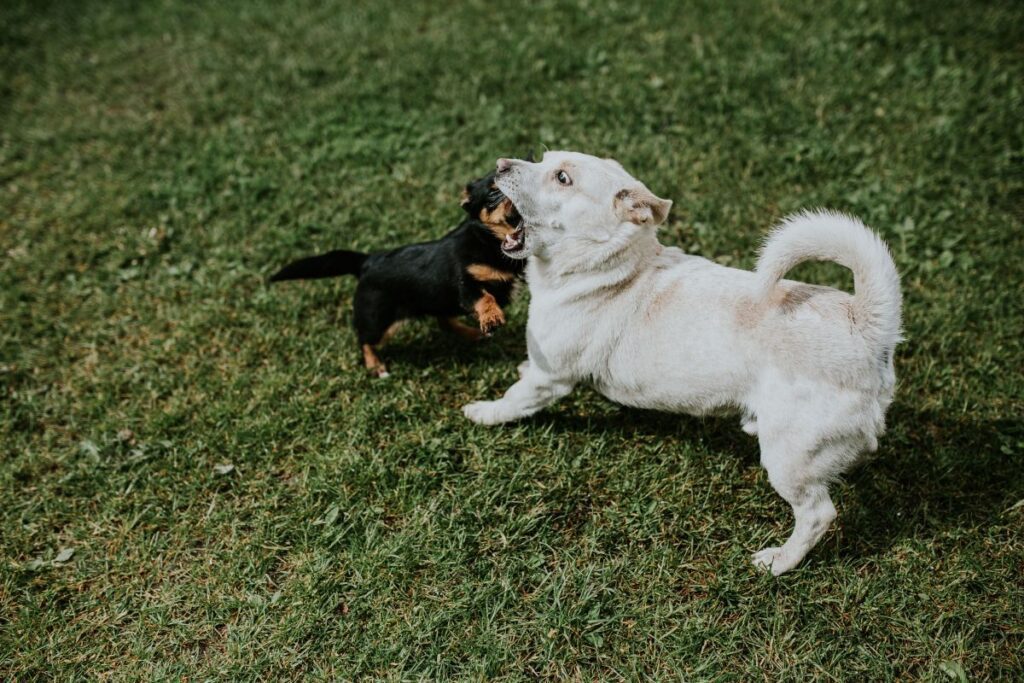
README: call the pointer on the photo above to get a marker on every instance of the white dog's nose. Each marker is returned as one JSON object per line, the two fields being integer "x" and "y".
{"x": 504, "y": 165}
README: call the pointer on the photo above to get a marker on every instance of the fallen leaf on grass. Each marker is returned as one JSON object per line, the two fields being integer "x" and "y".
{"x": 954, "y": 670}
{"x": 331, "y": 517}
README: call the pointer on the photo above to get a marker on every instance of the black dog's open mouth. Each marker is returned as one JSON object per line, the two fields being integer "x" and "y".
{"x": 514, "y": 241}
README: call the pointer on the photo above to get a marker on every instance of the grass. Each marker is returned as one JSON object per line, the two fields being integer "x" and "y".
{"x": 157, "y": 160}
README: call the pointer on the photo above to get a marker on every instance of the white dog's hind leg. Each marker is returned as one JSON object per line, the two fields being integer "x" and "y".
{"x": 814, "y": 513}
{"x": 534, "y": 391}
{"x": 812, "y": 506}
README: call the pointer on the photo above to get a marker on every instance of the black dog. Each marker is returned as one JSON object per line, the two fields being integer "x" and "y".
{"x": 463, "y": 272}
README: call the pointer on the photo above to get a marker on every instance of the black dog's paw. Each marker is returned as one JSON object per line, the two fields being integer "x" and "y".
{"x": 491, "y": 320}
{"x": 488, "y": 313}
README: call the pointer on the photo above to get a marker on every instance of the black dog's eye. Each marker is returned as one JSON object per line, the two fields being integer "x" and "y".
{"x": 563, "y": 178}
{"x": 494, "y": 197}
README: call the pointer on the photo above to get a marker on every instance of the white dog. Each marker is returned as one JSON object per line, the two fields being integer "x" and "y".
{"x": 810, "y": 368}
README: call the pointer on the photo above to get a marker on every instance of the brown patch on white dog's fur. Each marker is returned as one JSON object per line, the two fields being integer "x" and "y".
{"x": 793, "y": 297}
{"x": 749, "y": 312}
{"x": 788, "y": 298}
{"x": 482, "y": 272}
{"x": 659, "y": 302}
{"x": 489, "y": 313}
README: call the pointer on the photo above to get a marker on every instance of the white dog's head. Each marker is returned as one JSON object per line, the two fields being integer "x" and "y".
{"x": 567, "y": 195}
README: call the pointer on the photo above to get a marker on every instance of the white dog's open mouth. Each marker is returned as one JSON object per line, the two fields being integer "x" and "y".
{"x": 514, "y": 244}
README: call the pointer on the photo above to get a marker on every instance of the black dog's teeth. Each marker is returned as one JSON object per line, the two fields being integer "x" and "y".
{"x": 514, "y": 241}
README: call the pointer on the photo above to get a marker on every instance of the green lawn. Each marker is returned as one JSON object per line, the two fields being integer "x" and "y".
{"x": 158, "y": 161}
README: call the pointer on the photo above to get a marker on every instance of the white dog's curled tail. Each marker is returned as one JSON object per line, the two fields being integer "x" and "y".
{"x": 832, "y": 236}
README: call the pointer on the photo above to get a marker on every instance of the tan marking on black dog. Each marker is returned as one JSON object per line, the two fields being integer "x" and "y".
{"x": 481, "y": 272}
{"x": 489, "y": 313}
{"x": 390, "y": 332}
{"x": 373, "y": 362}
{"x": 496, "y": 219}
{"x": 470, "y": 334}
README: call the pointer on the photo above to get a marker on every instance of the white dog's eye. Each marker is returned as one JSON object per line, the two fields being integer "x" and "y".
{"x": 563, "y": 178}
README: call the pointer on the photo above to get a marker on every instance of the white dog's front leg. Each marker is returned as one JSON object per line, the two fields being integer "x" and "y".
{"x": 534, "y": 391}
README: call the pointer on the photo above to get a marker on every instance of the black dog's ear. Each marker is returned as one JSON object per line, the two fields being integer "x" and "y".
{"x": 464, "y": 201}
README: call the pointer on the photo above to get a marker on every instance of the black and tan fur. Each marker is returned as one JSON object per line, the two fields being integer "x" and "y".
{"x": 464, "y": 272}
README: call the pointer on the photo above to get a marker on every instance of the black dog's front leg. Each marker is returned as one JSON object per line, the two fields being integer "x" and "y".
{"x": 476, "y": 299}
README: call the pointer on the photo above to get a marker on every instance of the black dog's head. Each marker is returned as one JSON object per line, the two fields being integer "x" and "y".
{"x": 485, "y": 202}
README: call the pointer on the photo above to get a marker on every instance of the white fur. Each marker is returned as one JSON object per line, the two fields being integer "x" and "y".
{"x": 810, "y": 368}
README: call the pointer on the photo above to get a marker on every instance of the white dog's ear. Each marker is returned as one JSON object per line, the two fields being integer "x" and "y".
{"x": 639, "y": 205}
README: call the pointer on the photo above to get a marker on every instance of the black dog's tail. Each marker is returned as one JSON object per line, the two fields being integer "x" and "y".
{"x": 331, "y": 264}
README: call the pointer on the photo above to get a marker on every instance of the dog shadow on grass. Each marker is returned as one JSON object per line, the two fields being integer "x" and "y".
{"x": 933, "y": 473}
{"x": 420, "y": 345}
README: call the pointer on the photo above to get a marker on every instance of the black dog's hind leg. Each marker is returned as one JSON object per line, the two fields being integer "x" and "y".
{"x": 374, "y": 314}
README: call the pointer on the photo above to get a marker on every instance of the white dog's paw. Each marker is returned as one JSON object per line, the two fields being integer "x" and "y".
{"x": 763, "y": 558}
{"x": 774, "y": 560}
{"x": 486, "y": 412}
{"x": 523, "y": 367}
